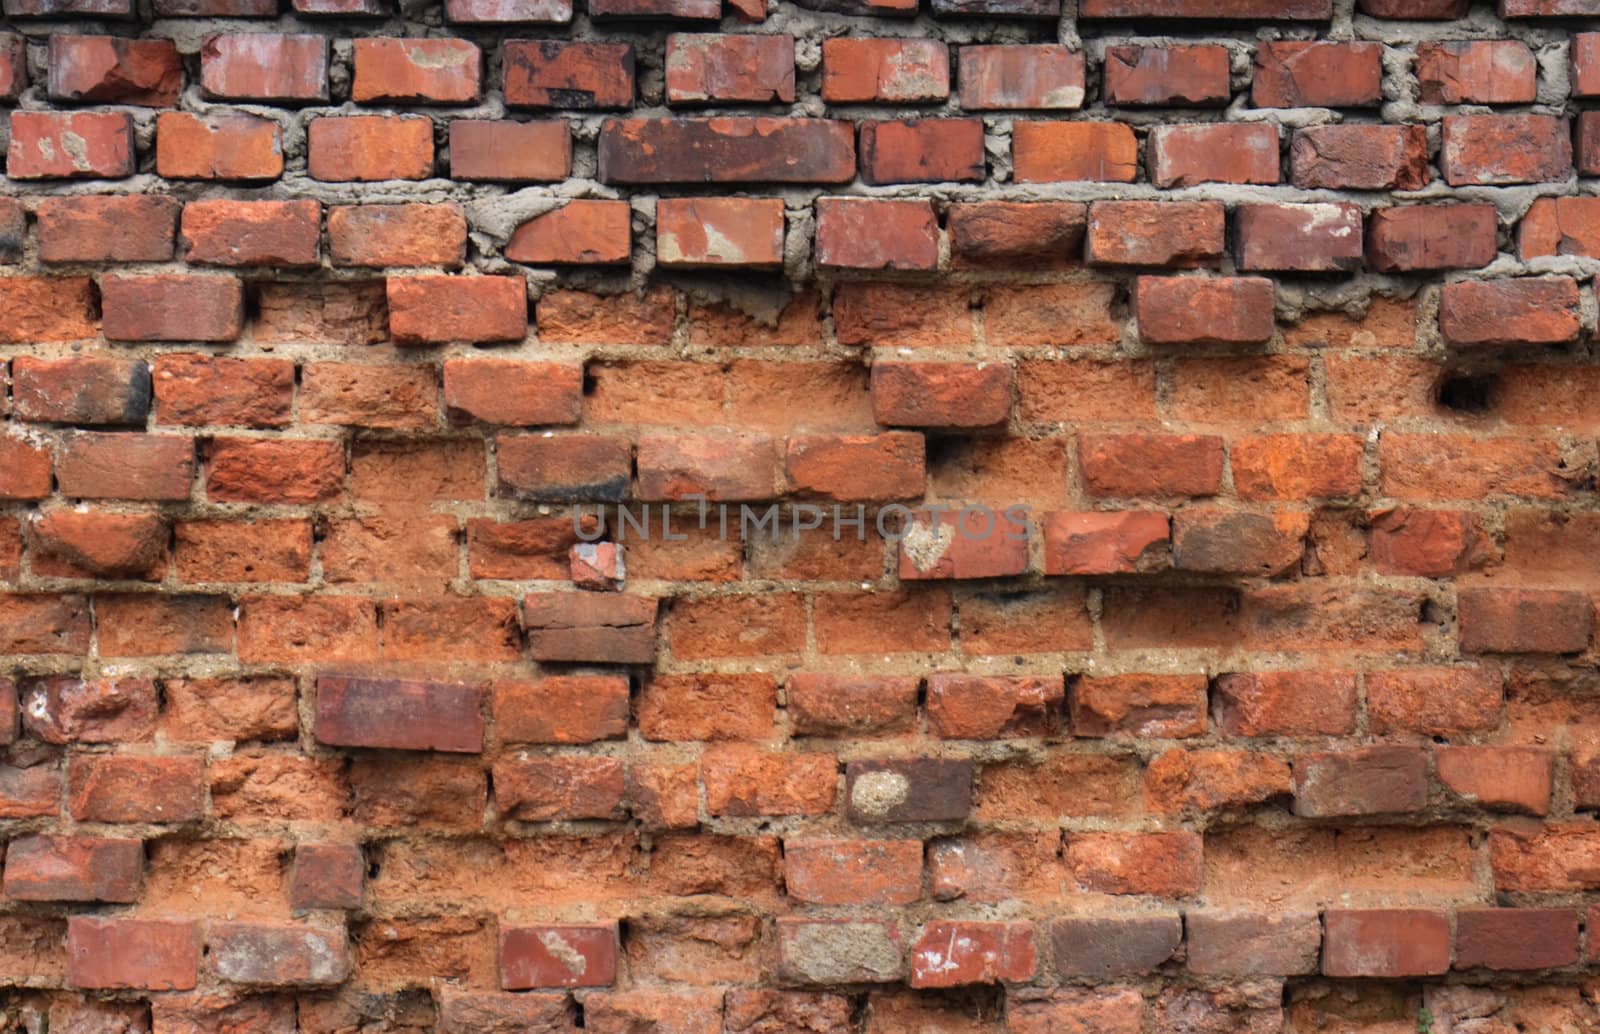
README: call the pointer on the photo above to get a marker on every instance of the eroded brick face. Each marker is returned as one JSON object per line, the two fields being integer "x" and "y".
{"x": 1109, "y": 521}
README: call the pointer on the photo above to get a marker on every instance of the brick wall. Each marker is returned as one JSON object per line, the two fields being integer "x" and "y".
{"x": 1265, "y": 327}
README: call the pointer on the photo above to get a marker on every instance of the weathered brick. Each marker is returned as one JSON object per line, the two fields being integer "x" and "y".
{"x": 952, "y": 954}
{"x": 1318, "y": 238}
{"x": 494, "y": 12}
{"x": 327, "y": 876}
{"x": 580, "y": 232}
{"x": 828, "y": 952}
{"x": 416, "y": 71}
{"x": 1033, "y": 77}
{"x": 1047, "y": 152}
{"x": 1155, "y": 233}
{"x": 1415, "y": 238}
{"x": 726, "y": 150}
{"x": 1104, "y": 947}
{"x": 551, "y": 74}
{"x": 80, "y": 390}
{"x": 252, "y": 233}
{"x": 125, "y": 466}
{"x": 111, "y": 70}
{"x": 1233, "y": 542}
{"x": 1476, "y": 72}
{"x": 568, "y": 955}
{"x": 397, "y": 235}
{"x": 1364, "y": 781}
{"x": 1138, "y": 465}
{"x": 1014, "y": 231}
{"x": 368, "y": 148}
{"x": 1166, "y": 706}
{"x": 261, "y": 470}
{"x": 1499, "y": 778}
{"x": 398, "y": 714}
{"x": 941, "y": 394}
{"x": 144, "y": 954}
{"x": 1500, "y": 149}
{"x": 77, "y": 868}
{"x": 910, "y": 790}
{"x": 106, "y": 229}
{"x": 853, "y": 872}
{"x": 859, "y": 70}
{"x": 70, "y": 145}
{"x": 1357, "y": 157}
{"x": 857, "y": 467}
{"x": 590, "y": 627}
{"x": 1385, "y": 943}
{"x": 1433, "y": 701}
{"x": 1179, "y": 76}
{"x": 172, "y": 307}
{"x": 1238, "y": 152}
{"x": 1516, "y": 938}
{"x": 569, "y": 468}
{"x": 720, "y": 68}
{"x": 227, "y": 147}
{"x": 1204, "y": 310}
{"x": 13, "y": 66}
{"x": 133, "y": 788}
{"x": 1299, "y": 73}
{"x": 511, "y": 152}
{"x": 277, "y": 954}
{"x": 922, "y": 150}
{"x": 873, "y": 233}
{"x": 1524, "y": 620}
{"x": 720, "y": 232}
{"x": 512, "y": 392}
{"x": 1287, "y": 10}
{"x": 265, "y": 67}
{"x": 1509, "y": 313}
{"x": 431, "y": 310}
{"x": 1251, "y": 944}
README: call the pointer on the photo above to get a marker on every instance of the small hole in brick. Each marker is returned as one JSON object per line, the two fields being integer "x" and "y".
{"x": 590, "y": 383}
{"x": 1467, "y": 393}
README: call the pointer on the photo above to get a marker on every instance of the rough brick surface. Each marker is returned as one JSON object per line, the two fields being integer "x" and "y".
{"x": 662, "y": 517}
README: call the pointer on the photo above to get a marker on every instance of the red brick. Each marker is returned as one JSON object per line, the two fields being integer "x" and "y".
{"x": 262, "y": 66}
{"x": 1364, "y": 781}
{"x": 111, "y": 70}
{"x": 1499, "y": 778}
{"x": 951, "y": 954}
{"x": 728, "y": 232}
{"x": 27, "y": 793}
{"x": 922, "y": 151}
{"x": 547, "y": 12}
{"x": 748, "y": 781}
{"x": 1049, "y": 152}
{"x": 580, "y": 232}
{"x": 707, "y": 707}
{"x": 1238, "y": 152}
{"x": 1296, "y": 73}
{"x": 92, "y": 543}
{"x": 1150, "y": 465}
{"x": 726, "y": 150}
{"x": 1294, "y": 466}
{"x": 82, "y": 389}
{"x": 1433, "y": 701}
{"x": 1584, "y": 55}
{"x": 1163, "y": 706}
{"x": 24, "y": 469}
{"x": 398, "y": 714}
{"x": 561, "y": 709}
{"x": 172, "y": 307}
{"x": 253, "y": 233}
{"x": 983, "y": 232}
{"x": 1476, "y": 72}
{"x": 1109, "y": 946}
{"x": 967, "y": 544}
{"x": 1233, "y": 542}
{"x": 416, "y": 71}
{"x": 1516, "y": 938}
{"x": 228, "y": 147}
{"x": 545, "y": 789}
{"x": 512, "y": 392}
{"x": 201, "y": 389}
{"x": 326, "y": 876}
{"x": 1035, "y": 77}
{"x": 128, "y": 788}
{"x": 876, "y": 233}
{"x": 1357, "y": 157}
{"x": 718, "y": 467}
{"x": 1248, "y": 944}
{"x": 717, "y": 67}
{"x": 843, "y": 705}
{"x": 859, "y": 70}
{"x": 1505, "y": 313}
{"x": 106, "y": 229}
{"x": 431, "y": 310}
{"x": 1166, "y": 865}
{"x": 1105, "y": 542}
{"x": 43, "y": 309}
{"x": 279, "y": 954}
{"x": 77, "y": 868}
{"x": 144, "y": 954}
{"x": 590, "y": 627}
{"x": 1435, "y": 467}
{"x": 1416, "y": 238}
{"x": 13, "y": 229}
{"x": 1587, "y": 144}
{"x": 1502, "y": 149}
{"x": 552, "y": 74}
{"x": 941, "y": 394}
{"x": 70, "y": 145}
{"x": 1155, "y": 233}
{"x": 1560, "y": 226}
{"x": 215, "y": 8}
{"x": 972, "y": 707}
{"x": 935, "y": 790}
{"x": 509, "y": 151}
{"x": 1385, "y": 943}
{"x": 558, "y": 956}
{"x": 13, "y": 66}
{"x": 852, "y": 468}
{"x": 148, "y": 625}
{"x": 204, "y": 710}
{"x": 264, "y": 470}
{"x": 566, "y": 468}
{"x": 397, "y": 235}
{"x": 1187, "y": 76}
{"x": 1318, "y": 238}
{"x": 125, "y": 466}
{"x": 1205, "y": 310}
{"x": 1426, "y": 543}
{"x": 630, "y": 318}
{"x": 367, "y": 148}
{"x": 1285, "y": 10}
{"x": 1410, "y": 9}
{"x": 1545, "y": 8}
{"x": 1503, "y": 620}
{"x": 853, "y": 872}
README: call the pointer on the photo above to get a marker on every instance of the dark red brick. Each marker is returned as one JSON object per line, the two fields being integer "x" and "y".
{"x": 1501, "y": 149}
{"x": 1356, "y": 157}
{"x": 1236, "y": 152}
{"x": 398, "y": 714}
{"x": 1415, "y": 238}
{"x": 553, "y": 74}
{"x": 726, "y": 150}
{"x": 1301, "y": 73}
{"x": 1315, "y": 238}
{"x": 1177, "y": 76}
{"x": 1204, "y": 310}
{"x": 1385, "y": 943}
{"x": 1021, "y": 77}
{"x": 876, "y": 233}
{"x": 705, "y": 68}
{"x": 1504, "y": 313}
